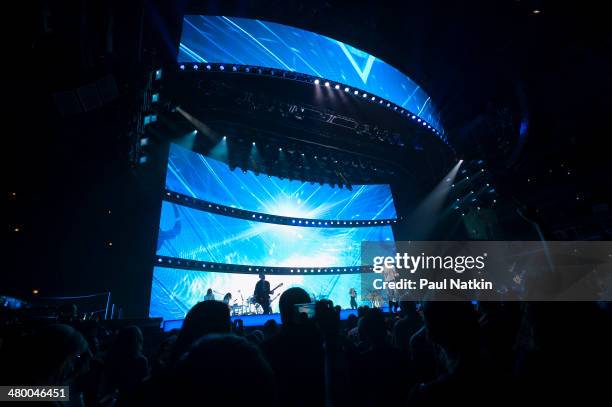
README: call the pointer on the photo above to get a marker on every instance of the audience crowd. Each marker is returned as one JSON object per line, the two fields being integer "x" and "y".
{"x": 430, "y": 353}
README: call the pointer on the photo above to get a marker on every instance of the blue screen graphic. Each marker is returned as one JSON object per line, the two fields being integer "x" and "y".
{"x": 232, "y": 40}
{"x": 193, "y": 234}
{"x": 205, "y": 178}
{"x": 175, "y": 291}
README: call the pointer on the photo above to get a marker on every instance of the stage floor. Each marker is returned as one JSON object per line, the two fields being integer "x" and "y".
{"x": 256, "y": 320}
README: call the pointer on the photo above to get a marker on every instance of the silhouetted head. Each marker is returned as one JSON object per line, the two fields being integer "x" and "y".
{"x": 204, "y": 318}
{"x": 56, "y": 355}
{"x": 372, "y": 327}
{"x": 408, "y": 309}
{"x": 452, "y": 325}
{"x": 262, "y": 276}
{"x": 209, "y": 291}
{"x": 270, "y": 328}
{"x": 128, "y": 343}
{"x": 351, "y": 321}
{"x": 288, "y": 300}
{"x": 202, "y": 368}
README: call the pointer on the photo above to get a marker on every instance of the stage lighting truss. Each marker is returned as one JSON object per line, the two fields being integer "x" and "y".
{"x": 207, "y": 206}
{"x": 332, "y": 86}
{"x": 175, "y": 262}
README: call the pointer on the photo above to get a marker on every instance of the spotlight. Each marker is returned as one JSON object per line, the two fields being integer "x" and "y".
{"x": 337, "y": 87}
{"x": 234, "y": 68}
{"x": 419, "y": 120}
{"x": 280, "y": 149}
{"x": 224, "y": 137}
{"x": 373, "y": 98}
{"x": 253, "y": 143}
{"x": 536, "y": 11}
{"x": 316, "y": 81}
{"x": 388, "y": 104}
{"x": 365, "y": 95}
{"x": 221, "y": 67}
{"x": 413, "y": 117}
{"x": 356, "y": 92}
{"x": 208, "y": 67}
{"x": 327, "y": 84}
{"x": 182, "y": 67}
{"x": 195, "y": 67}
{"x": 346, "y": 89}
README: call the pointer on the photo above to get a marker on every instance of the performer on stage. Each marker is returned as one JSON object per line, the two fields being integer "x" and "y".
{"x": 393, "y": 301}
{"x": 262, "y": 293}
{"x": 209, "y": 295}
{"x": 227, "y": 298}
{"x": 353, "y": 295}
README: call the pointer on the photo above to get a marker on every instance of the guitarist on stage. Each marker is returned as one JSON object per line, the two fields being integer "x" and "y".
{"x": 262, "y": 293}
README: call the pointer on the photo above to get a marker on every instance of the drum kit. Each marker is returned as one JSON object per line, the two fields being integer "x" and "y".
{"x": 248, "y": 306}
{"x": 376, "y": 299}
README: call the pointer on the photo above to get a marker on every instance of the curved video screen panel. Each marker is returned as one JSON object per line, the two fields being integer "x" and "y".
{"x": 175, "y": 291}
{"x": 244, "y": 41}
{"x": 192, "y": 234}
{"x": 205, "y": 178}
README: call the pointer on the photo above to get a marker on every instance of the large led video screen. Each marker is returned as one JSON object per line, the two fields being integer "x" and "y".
{"x": 231, "y": 40}
{"x": 193, "y": 234}
{"x": 175, "y": 291}
{"x": 211, "y": 180}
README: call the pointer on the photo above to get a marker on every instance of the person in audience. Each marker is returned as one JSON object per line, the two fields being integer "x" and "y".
{"x": 126, "y": 367}
{"x": 409, "y": 322}
{"x": 204, "y": 318}
{"x": 453, "y": 327}
{"x": 270, "y": 328}
{"x": 380, "y": 356}
{"x": 210, "y": 296}
{"x": 296, "y": 354}
{"x": 222, "y": 368}
{"x": 56, "y": 355}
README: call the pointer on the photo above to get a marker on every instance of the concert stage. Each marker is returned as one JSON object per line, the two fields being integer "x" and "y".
{"x": 283, "y": 170}
{"x": 257, "y": 320}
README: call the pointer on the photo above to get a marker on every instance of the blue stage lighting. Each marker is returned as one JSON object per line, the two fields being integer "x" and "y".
{"x": 356, "y": 92}
{"x": 221, "y": 67}
{"x": 195, "y": 67}
{"x": 182, "y": 67}
{"x": 327, "y": 84}
{"x": 208, "y": 67}
{"x": 316, "y": 81}
{"x": 346, "y": 89}
{"x": 337, "y": 87}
